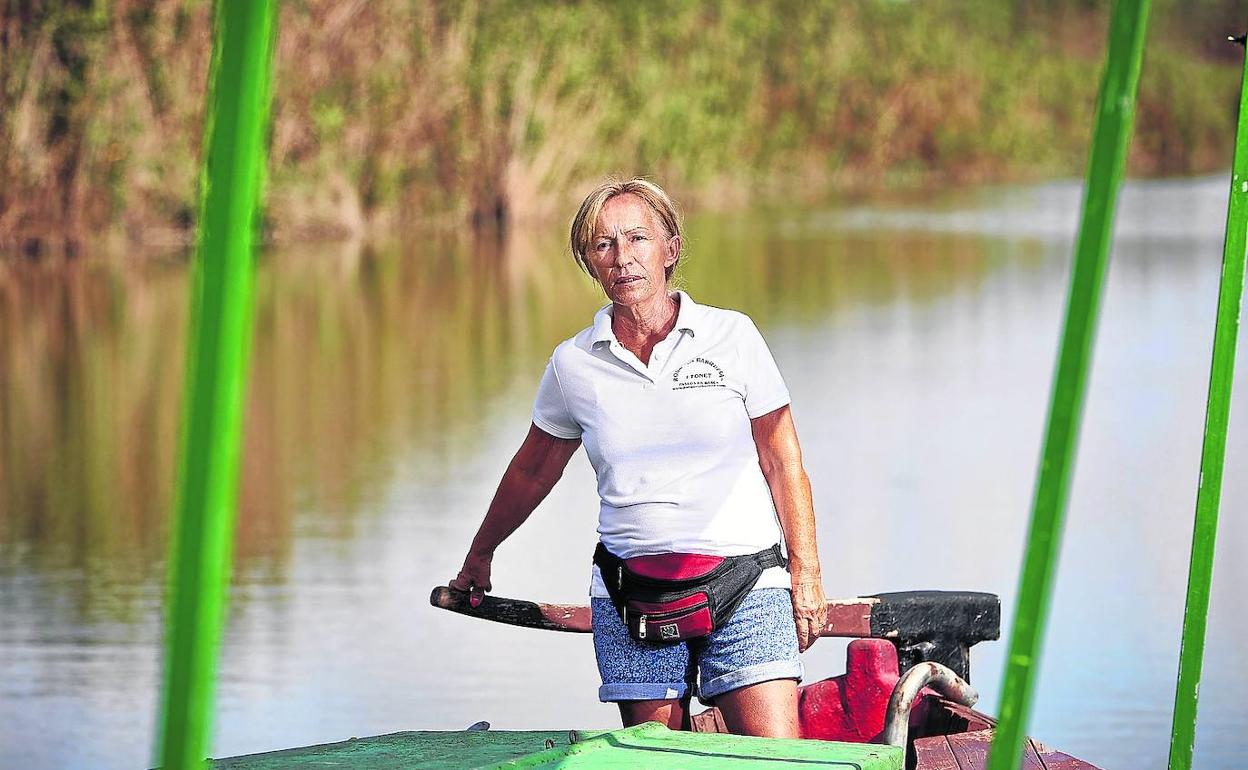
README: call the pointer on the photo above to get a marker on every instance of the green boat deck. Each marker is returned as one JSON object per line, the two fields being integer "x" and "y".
{"x": 650, "y": 745}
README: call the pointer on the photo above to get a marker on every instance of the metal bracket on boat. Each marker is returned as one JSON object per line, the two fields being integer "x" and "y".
{"x": 940, "y": 626}
{"x": 940, "y": 678}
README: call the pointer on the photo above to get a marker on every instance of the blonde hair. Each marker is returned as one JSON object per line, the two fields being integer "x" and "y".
{"x": 582, "y": 234}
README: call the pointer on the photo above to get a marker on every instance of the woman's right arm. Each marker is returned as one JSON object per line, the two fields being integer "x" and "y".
{"x": 529, "y": 477}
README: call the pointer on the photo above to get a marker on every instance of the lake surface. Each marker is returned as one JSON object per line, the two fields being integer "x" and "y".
{"x": 390, "y": 386}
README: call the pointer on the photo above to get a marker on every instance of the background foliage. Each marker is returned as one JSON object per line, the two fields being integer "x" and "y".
{"x": 401, "y": 111}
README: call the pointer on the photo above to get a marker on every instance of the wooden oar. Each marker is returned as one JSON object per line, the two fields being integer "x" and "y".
{"x": 515, "y": 612}
{"x": 964, "y": 615}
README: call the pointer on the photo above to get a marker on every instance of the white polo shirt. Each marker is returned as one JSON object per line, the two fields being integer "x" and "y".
{"x": 671, "y": 442}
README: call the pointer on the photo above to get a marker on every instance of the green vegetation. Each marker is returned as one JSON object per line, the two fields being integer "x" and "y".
{"x": 389, "y": 113}
{"x": 1213, "y": 453}
{"x": 1107, "y": 160}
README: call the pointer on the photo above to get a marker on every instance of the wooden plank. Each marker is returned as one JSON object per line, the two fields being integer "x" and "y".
{"x": 1031, "y": 760}
{"x": 516, "y": 612}
{"x": 935, "y": 753}
{"x": 423, "y": 750}
{"x": 846, "y": 617}
{"x": 969, "y": 616}
{"x": 649, "y": 746}
{"x": 849, "y": 617}
{"x": 912, "y": 615}
{"x": 709, "y": 721}
{"x": 971, "y": 750}
{"x": 975, "y": 720}
{"x": 1056, "y": 760}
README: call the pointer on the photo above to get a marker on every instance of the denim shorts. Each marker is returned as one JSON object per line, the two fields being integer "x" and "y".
{"x": 758, "y": 644}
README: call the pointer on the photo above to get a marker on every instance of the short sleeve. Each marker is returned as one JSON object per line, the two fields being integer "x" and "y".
{"x": 550, "y": 409}
{"x": 765, "y": 390}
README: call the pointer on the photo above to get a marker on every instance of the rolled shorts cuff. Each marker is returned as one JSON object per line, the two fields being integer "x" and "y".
{"x": 743, "y": 677}
{"x": 620, "y": 691}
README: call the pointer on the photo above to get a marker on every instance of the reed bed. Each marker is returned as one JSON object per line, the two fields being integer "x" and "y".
{"x": 394, "y": 113}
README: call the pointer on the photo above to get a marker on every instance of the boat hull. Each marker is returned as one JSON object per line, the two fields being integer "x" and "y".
{"x": 943, "y": 735}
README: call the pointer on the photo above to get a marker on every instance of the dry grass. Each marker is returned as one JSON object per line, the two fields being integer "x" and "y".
{"x": 388, "y": 113}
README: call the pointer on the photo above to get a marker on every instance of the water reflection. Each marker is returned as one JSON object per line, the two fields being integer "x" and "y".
{"x": 358, "y": 353}
{"x": 389, "y": 385}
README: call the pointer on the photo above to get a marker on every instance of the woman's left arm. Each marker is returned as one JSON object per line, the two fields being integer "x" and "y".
{"x": 780, "y": 457}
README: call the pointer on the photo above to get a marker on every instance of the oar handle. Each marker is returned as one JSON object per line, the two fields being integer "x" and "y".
{"x": 515, "y": 612}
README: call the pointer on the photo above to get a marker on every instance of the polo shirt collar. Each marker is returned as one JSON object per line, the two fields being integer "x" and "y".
{"x": 688, "y": 318}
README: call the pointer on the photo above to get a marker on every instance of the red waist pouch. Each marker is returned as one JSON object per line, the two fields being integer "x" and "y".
{"x": 671, "y": 597}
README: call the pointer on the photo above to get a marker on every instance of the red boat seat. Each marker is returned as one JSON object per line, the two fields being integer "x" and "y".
{"x": 850, "y": 707}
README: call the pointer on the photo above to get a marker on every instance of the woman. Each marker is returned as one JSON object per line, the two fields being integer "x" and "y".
{"x": 686, "y": 422}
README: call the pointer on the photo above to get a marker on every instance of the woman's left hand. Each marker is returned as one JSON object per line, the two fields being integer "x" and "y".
{"x": 810, "y": 610}
{"x": 780, "y": 457}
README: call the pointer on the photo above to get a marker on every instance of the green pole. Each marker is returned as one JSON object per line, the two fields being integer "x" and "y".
{"x": 220, "y": 328}
{"x": 1217, "y": 412}
{"x": 1114, "y": 114}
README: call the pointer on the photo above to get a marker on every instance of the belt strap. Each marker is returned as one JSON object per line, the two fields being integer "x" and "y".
{"x": 771, "y": 557}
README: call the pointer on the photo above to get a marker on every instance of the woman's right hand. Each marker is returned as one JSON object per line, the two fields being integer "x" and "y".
{"x": 474, "y": 577}
{"x": 526, "y": 482}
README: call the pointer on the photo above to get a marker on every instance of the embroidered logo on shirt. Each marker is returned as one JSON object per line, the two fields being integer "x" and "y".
{"x": 698, "y": 373}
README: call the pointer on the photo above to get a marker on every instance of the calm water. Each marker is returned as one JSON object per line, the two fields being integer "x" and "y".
{"x": 389, "y": 388}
